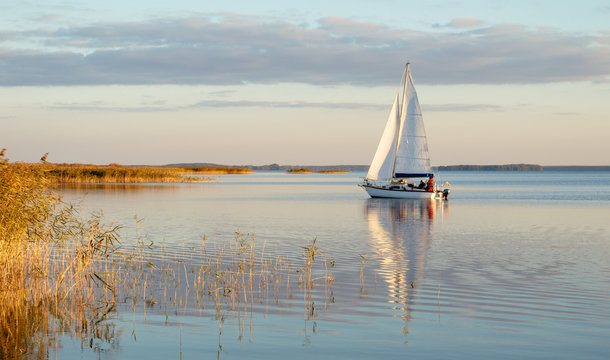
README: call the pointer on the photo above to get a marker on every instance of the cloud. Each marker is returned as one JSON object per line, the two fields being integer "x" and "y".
{"x": 157, "y": 107}
{"x": 234, "y": 49}
{"x": 464, "y": 22}
{"x": 567, "y": 114}
{"x": 289, "y": 104}
{"x": 46, "y": 18}
{"x": 462, "y": 107}
{"x": 335, "y": 23}
{"x": 103, "y": 106}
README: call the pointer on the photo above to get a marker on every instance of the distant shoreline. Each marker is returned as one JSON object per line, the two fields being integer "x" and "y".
{"x": 309, "y": 171}
{"x": 347, "y": 168}
{"x": 522, "y": 167}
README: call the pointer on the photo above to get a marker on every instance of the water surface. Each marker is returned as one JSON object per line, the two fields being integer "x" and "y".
{"x": 514, "y": 265}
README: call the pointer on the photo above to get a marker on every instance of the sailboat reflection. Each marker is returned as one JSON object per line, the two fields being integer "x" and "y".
{"x": 401, "y": 235}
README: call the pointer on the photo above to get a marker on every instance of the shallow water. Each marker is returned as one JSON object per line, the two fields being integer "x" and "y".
{"x": 515, "y": 264}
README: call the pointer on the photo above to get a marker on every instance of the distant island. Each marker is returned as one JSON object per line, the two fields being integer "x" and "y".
{"x": 507, "y": 167}
{"x": 522, "y": 167}
{"x": 349, "y": 168}
{"x": 308, "y": 171}
{"x": 577, "y": 168}
{"x": 274, "y": 167}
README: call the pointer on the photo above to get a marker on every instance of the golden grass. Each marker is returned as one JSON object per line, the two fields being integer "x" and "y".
{"x": 48, "y": 277}
{"x": 215, "y": 170}
{"x": 332, "y": 171}
{"x": 114, "y": 173}
{"x": 299, "y": 171}
{"x": 84, "y": 173}
{"x": 307, "y": 171}
{"x": 62, "y": 273}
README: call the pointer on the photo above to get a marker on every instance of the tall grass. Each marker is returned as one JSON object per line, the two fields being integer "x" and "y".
{"x": 299, "y": 171}
{"x": 61, "y": 272}
{"x": 114, "y": 173}
{"x": 215, "y": 170}
{"x": 48, "y": 278}
{"x": 308, "y": 171}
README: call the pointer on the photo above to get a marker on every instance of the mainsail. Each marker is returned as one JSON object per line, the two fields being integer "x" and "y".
{"x": 403, "y": 148}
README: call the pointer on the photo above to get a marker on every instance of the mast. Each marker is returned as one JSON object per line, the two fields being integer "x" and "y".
{"x": 400, "y": 110}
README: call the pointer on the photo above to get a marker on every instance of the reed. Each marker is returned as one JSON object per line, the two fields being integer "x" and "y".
{"x": 308, "y": 281}
{"x": 363, "y": 259}
{"x": 114, "y": 173}
{"x": 332, "y": 171}
{"x": 215, "y": 170}
{"x": 299, "y": 171}
{"x": 62, "y": 272}
{"x": 49, "y": 273}
{"x": 308, "y": 171}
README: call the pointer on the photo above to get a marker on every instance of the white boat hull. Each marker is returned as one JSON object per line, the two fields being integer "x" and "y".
{"x": 379, "y": 192}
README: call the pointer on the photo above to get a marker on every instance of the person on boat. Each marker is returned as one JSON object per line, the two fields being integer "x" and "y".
{"x": 430, "y": 183}
{"x": 422, "y": 185}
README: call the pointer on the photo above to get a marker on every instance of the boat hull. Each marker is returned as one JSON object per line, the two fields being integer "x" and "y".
{"x": 379, "y": 192}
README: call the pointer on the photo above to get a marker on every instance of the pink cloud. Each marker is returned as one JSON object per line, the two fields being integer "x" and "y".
{"x": 464, "y": 22}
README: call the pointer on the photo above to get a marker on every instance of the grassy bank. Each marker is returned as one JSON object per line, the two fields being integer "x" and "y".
{"x": 331, "y": 171}
{"x": 215, "y": 170}
{"x": 299, "y": 171}
{"x": 307, "y": 171}
{"x": 114, "y": 173}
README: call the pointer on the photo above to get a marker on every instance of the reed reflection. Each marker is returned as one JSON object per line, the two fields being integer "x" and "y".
{"x": 118, "y": 188}
{"x": 401, "y": 235}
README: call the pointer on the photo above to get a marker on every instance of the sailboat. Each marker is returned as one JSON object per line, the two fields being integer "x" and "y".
{"x": 402, "y": 154}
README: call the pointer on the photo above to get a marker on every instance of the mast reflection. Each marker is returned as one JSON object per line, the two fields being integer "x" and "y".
{"x": 401, "y": 235}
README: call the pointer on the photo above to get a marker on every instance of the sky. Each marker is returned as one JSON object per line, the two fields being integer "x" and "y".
{"x": 304, "y": 83}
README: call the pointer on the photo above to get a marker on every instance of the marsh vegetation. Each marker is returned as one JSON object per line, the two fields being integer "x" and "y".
{"x": 64, "y": 272}
{"x": 115, "y": 173}
{"x": 307, "y": 171}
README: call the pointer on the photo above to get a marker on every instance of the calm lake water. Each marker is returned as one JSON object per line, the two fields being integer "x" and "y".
{"x": 513, "y": 265}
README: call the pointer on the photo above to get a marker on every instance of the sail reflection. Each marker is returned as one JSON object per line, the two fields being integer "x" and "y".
{"x": 401, "y": 235}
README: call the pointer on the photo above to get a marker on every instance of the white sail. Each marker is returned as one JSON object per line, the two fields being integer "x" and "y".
{"x": 412, "y": 157}
{"x": 383, "y": 162}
